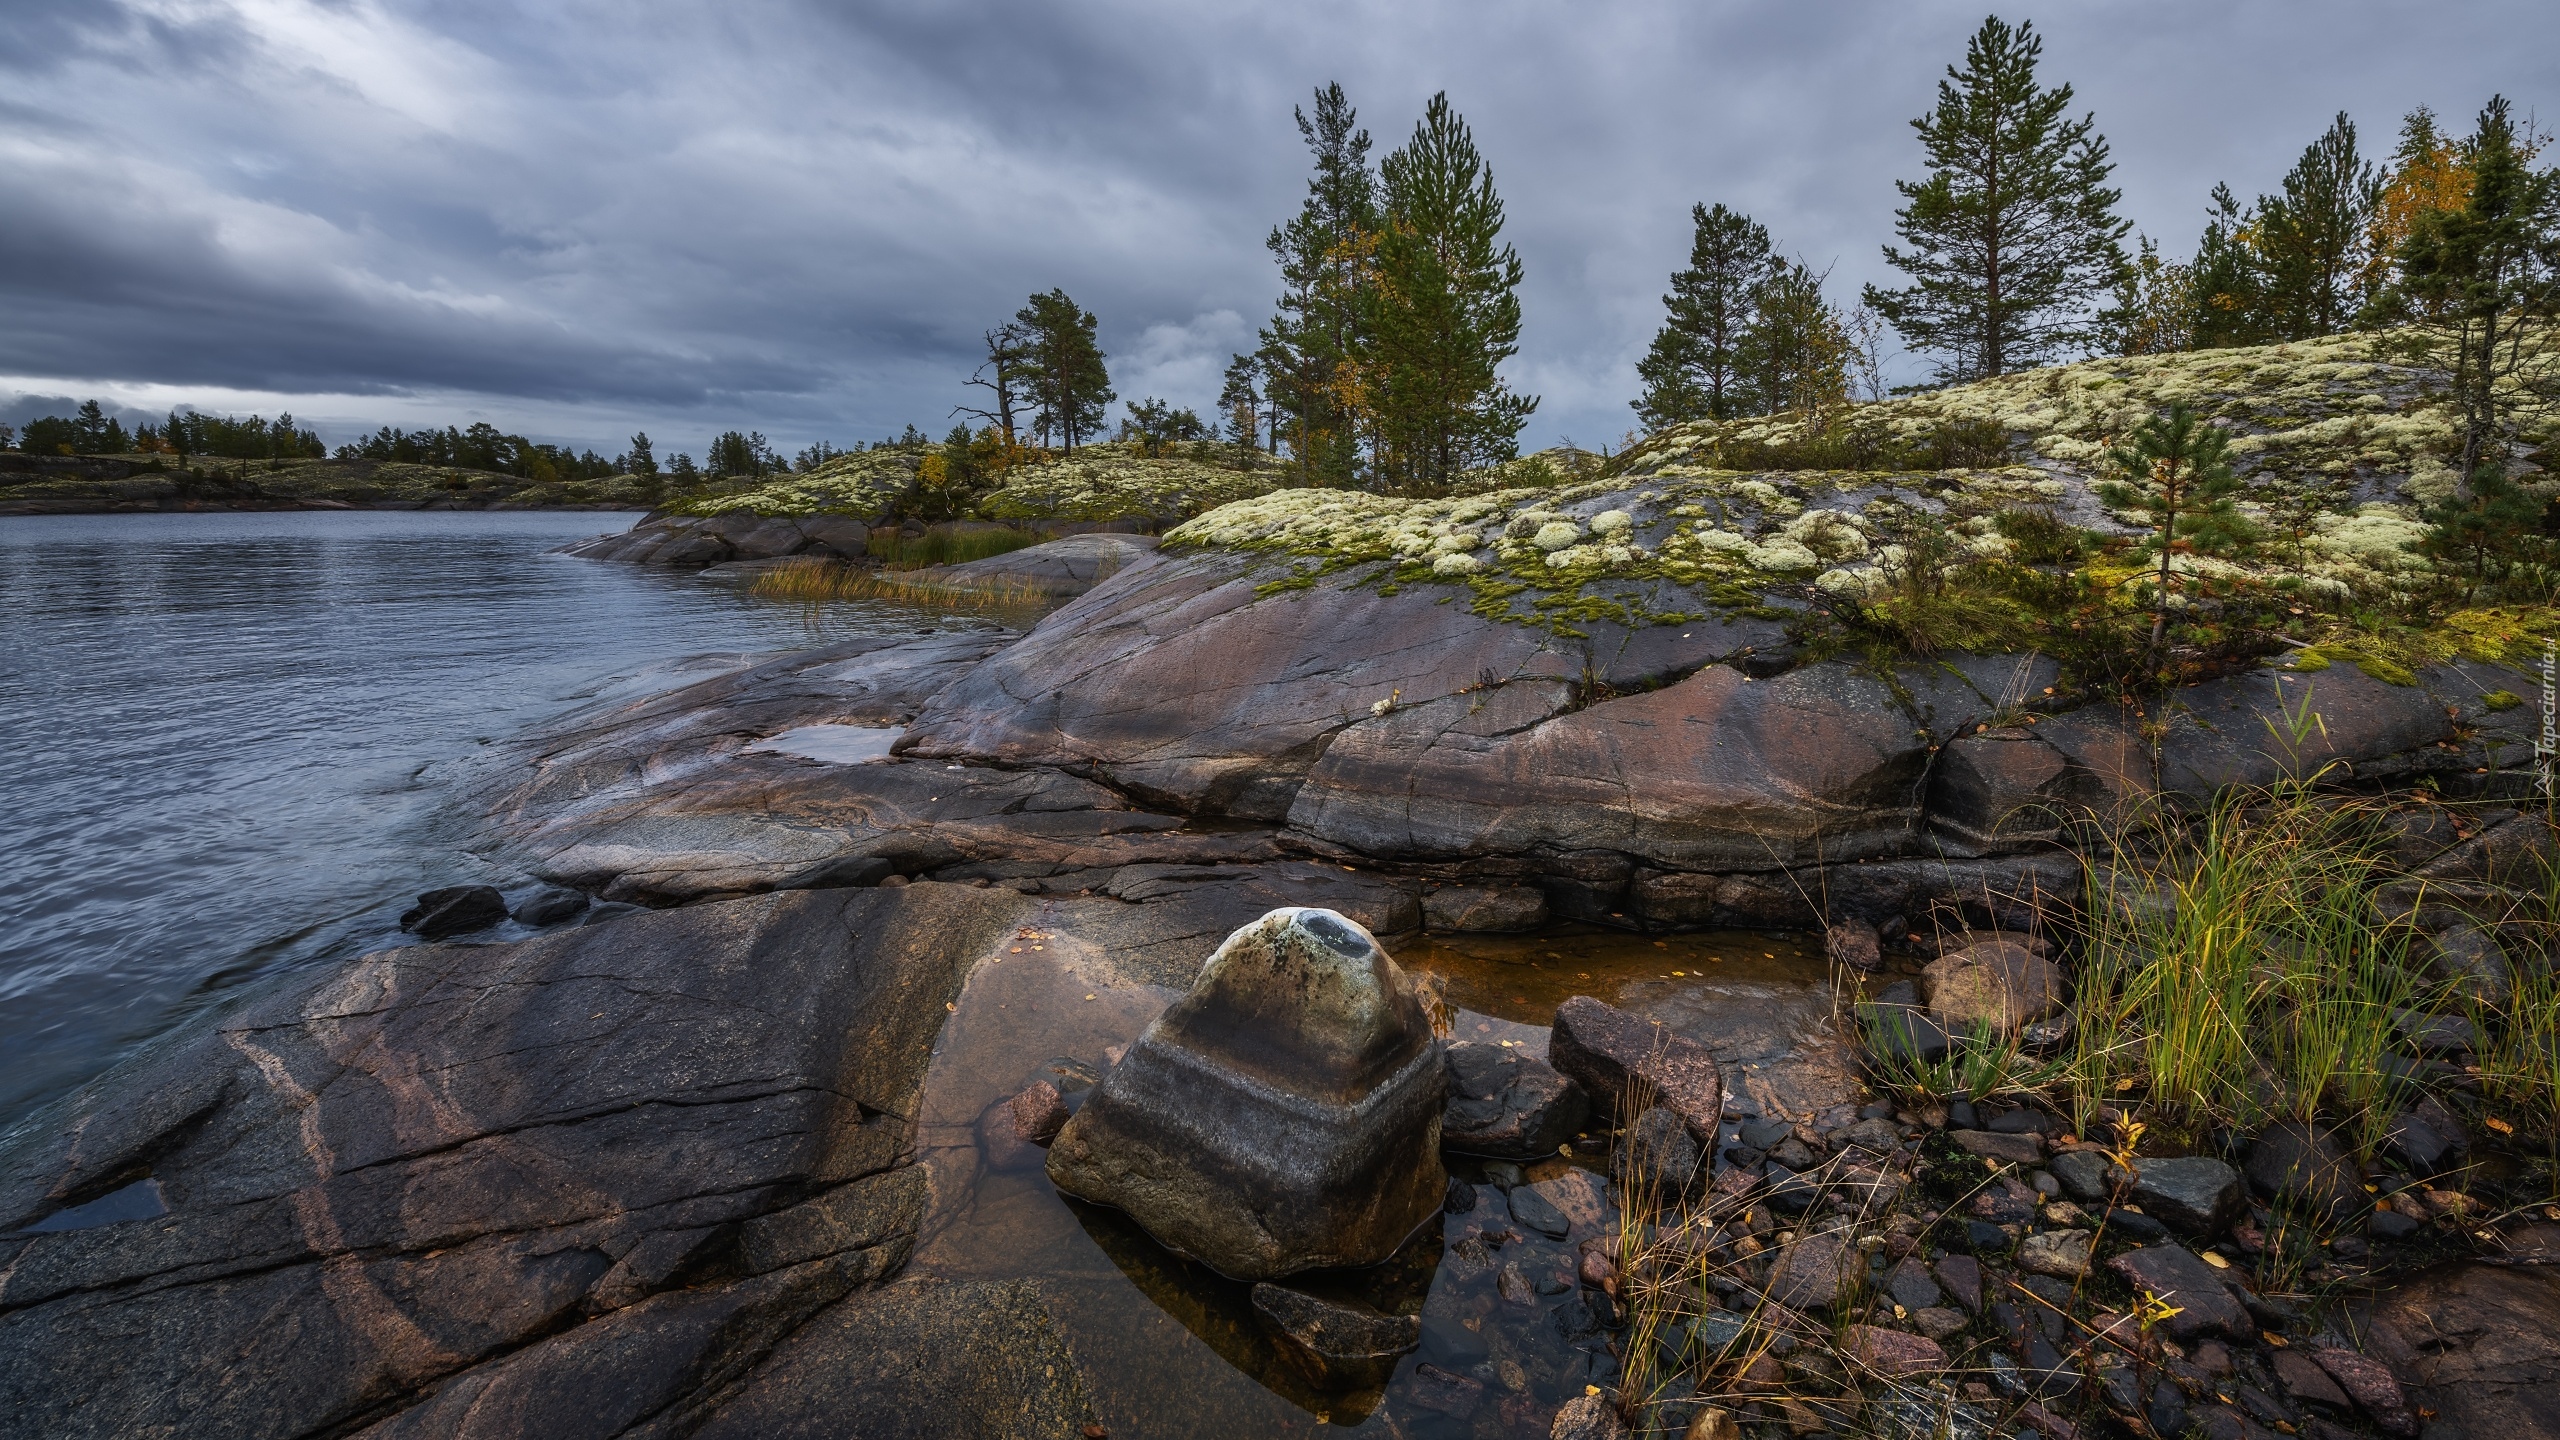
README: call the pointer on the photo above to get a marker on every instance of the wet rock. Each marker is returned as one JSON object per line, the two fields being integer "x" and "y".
{"x": 2061, "y": 1254}
{"x": 2304, "y": 1163}
{"x": 2017, "y": 1149}
{"x": 1853, "y": 943}
{"x": 2427, "y": 1137}
{"x": 2194, "y": 1195}
{"x": 1484, "y": 909}
{"x": 1283, "y": 1115}
{"x": 1891, "y": 1353}
{"x": 1339, "y": 1346}
{"x": 536, "y": 1240}
{"x": 2480, "y": 1345}
{"x": 1814, "y": 1270}
{"x": 1536, "y": 1212}
{"x": 1910, "y": 1286}
{"x": 2371, "y": 1385}
{"x": 2205, "y": 1303}
{"x": 1578, "y": 1195}
{"x": 1505, "y": 1101}
{"x": 455, "y": 910}
{"x": 2084, "y": 1175}
{"x": 1608, "y": 1052}
{"x": 549, "y": 906}
{"x": 1445, "y": 1392}
{"x": 1657, "y": 1151}
{"x": 1587, "y": 1417}
{"x": 1038, "y": 1112}
{"x": 1995, "y": 985}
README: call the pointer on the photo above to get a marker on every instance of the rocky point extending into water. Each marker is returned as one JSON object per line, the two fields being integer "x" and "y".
{"x": 681, "y": 1165}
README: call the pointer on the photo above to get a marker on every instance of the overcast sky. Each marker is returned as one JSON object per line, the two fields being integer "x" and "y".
{"x": 578, "y": 219}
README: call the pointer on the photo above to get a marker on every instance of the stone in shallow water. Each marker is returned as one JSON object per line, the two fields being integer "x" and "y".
{"x": 1505, "y": 1101}
{"x": 1998, "y": 985}
{"x": 1609, "y": 1052}
{"x": 1284, "y": 1115}
{"x": 1338, "y": 1345}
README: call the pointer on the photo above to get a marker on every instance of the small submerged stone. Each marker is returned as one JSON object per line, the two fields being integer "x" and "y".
{"x": 1282, "y": 1116}
{"x": 455, "y": 910}
{"x": 1338, "y": 1345}
{"x": 1611, "y": 1054}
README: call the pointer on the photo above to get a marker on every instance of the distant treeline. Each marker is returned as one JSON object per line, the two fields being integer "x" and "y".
{"x": 92, "y": 431}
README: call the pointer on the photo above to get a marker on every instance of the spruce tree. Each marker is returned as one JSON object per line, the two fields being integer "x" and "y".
{"x": 1064, "y": 371}
{"x": 1693, "y": 370}
{"x": 1310, "y": 349}
{"x": 2014, "y": 233}
{"x": 2230, "y": 286}
{"x": 1444, "y": 313}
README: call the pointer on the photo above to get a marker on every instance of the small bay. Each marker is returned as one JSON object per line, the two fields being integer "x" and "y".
{"x": 224, "y": 738}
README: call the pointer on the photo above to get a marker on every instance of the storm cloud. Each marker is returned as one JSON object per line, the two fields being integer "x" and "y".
{"x": 577, "y": 219}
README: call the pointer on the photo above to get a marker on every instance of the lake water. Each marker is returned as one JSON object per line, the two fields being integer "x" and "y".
{"x": 223, "y": 738}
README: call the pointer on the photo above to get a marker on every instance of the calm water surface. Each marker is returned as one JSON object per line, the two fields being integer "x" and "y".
{"x": 224, "y": 739}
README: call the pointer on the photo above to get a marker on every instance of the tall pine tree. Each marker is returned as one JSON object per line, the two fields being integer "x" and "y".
{"x": 1444, "y": 313}
{"x": 1063, "y": 370}
{"x": 1694, "y": 371}
{"x": 1327, "y": 256}
{"x": 2014, "y": 233}
{"x": 2311, "y": 238}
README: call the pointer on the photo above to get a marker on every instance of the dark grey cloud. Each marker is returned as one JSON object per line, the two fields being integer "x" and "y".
{"x": 580, "y": 218}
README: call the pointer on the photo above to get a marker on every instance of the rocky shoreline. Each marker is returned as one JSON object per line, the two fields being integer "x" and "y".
{"x": 669, "y": 1168}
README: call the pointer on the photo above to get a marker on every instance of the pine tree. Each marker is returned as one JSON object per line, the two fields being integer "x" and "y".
{"x": 1444, "y": 313}
{"x": 641, "y": 460}
{"x": 2014, "y": 233}
{"x": 1065, "y": 375}
{"x": 1240, "y": 400}
{"x": 2175, "y": 470}
{"x": 1693, "y": 369}
{"x": 2310, "y": 240}
{"x": 1327, "y": 254}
